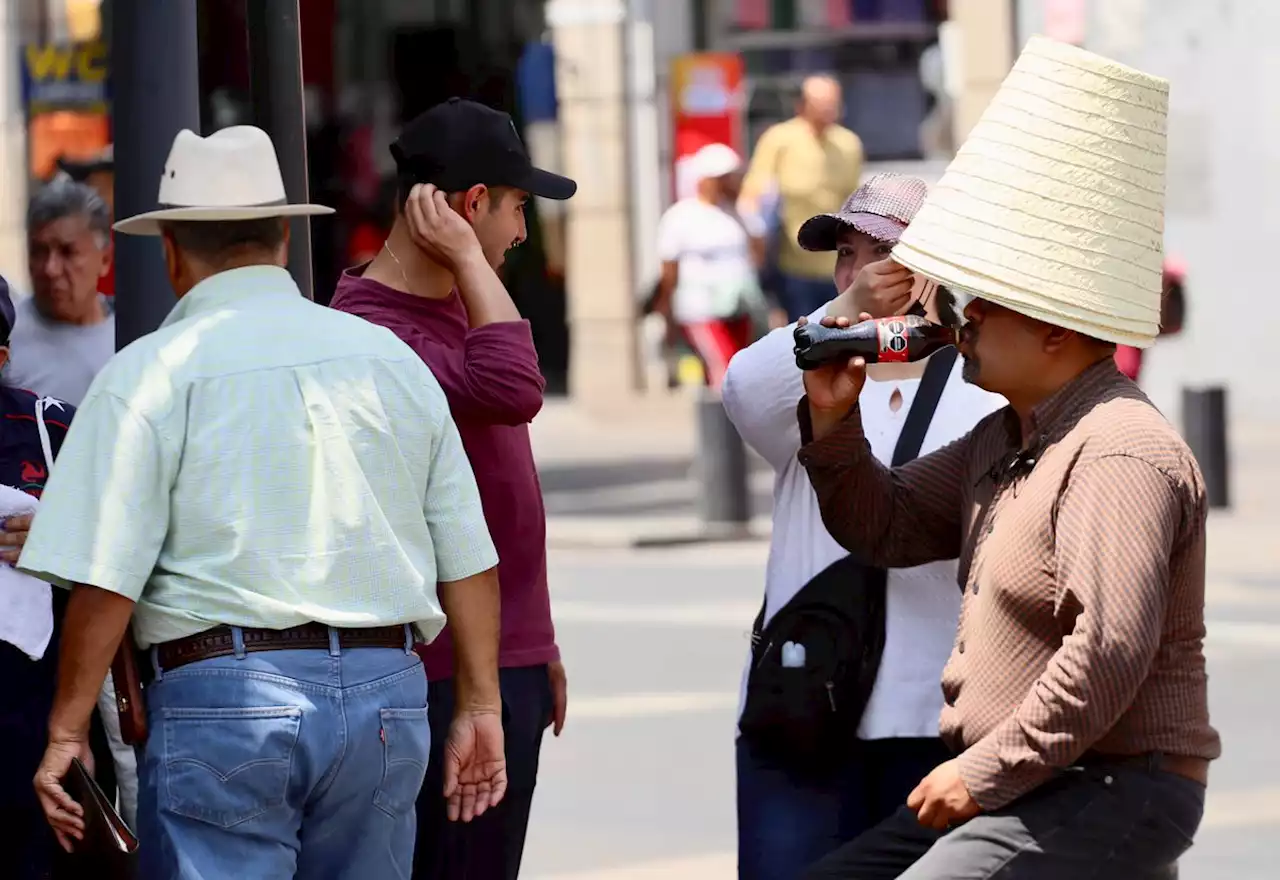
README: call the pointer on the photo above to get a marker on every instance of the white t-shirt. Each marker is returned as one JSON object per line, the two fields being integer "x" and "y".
{"x": 711, "y": 245}
{"x": 761, "y": 390}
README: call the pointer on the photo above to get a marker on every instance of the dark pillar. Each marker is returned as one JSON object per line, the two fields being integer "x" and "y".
{"x": 275, "y": 81}
{"x": 1204, "y": 424}
{"x": 725, "y": 499}
{"x": 156, "y": 93}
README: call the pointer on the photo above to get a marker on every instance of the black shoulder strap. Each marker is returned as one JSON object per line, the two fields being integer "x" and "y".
{"x": 936, "y": 375}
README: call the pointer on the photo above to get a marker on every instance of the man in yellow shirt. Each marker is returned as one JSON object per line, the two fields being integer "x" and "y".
{"x": 811, "y": 162}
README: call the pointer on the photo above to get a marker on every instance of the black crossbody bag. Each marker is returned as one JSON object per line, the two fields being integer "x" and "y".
{"x": 806, "y": 717}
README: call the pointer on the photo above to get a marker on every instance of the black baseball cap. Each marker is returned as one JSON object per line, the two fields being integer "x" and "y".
{"x": 458, "y": 144}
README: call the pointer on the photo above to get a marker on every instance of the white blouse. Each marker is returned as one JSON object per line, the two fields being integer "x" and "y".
{"x": 760, "y": 392}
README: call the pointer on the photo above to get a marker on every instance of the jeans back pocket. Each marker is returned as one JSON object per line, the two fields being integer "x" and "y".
{"x": 225, "y": 766}
{"x": 406, "y": 748}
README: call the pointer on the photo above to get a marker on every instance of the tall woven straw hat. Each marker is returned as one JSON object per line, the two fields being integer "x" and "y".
{"x": 1054, "y": 206}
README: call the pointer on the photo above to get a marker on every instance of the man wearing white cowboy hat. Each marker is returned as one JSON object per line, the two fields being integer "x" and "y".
{"x": 277, "y": 488}
{"x": 1075, "y": 696}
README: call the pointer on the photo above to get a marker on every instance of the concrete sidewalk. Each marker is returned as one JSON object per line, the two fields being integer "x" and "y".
{"x": 625, "y": 477}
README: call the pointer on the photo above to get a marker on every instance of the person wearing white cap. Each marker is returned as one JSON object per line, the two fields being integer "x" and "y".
{"x": 268, "y": 491}
{"x": 1075, "y": 697}
{"x": 710, "y": 255}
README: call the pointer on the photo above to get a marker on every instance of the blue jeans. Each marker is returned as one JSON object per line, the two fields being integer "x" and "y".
{"x": 786, "y": 823}
{"x": 284, "y": 763}
{"x": 802, "y": 297}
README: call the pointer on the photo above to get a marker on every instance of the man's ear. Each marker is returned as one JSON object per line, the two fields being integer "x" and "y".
{"x": 172, "y": 265}
{"x": 108, "y": 257}
{"x": 1056, "y": 337}
{"x": 283, "y": 254}
{"x": 474, "y": 202}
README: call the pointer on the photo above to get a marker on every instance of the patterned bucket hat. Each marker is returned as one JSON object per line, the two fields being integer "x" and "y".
{"x": 882, "y": 207}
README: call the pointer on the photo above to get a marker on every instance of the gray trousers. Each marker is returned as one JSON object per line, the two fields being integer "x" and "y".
{"x": 1109, "y": 822}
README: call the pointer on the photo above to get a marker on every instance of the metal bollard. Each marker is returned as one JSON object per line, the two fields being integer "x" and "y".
{"x": 725, "y": 502}
{"x": 1204, "y": 424}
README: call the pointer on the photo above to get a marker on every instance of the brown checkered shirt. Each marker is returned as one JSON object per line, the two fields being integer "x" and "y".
{"x": 1082, "y": 624}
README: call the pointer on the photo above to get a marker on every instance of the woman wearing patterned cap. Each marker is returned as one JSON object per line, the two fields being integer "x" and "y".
{"x": 788, "y": 819}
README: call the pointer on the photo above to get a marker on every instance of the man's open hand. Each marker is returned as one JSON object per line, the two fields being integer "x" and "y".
{"x": 942, "y": 800}
{"x": 475, "y": 764}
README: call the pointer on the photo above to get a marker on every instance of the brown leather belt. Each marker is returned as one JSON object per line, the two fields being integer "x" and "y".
{"x": 219, "y": 642}
{"x": 1186, "y": 766}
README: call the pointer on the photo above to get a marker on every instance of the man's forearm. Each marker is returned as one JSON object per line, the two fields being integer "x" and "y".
{"x": 483, "y": 293}
{"x": 94, "y": 624}
{"x": 896, "y": 518}
{"x": 474, "y": 608}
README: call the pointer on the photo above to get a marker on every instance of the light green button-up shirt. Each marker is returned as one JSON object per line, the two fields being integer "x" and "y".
{"x": 263, "y": 461}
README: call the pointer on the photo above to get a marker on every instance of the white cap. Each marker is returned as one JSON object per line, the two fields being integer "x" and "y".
{"x": 714, "y": 160}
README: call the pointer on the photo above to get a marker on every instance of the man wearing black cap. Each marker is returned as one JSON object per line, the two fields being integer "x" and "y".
{"x": 463, "y": 180}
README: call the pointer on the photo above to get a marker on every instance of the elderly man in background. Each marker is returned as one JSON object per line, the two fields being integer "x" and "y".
{"x": 811, "y": 163}
{"x": 277, "y": 497}
{"x": 66, "y": 330}
{"x": 98, "y": 172}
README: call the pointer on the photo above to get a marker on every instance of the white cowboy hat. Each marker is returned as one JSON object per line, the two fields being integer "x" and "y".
{"x": 232, "y": 174}
{"x": 1054, "y": 206}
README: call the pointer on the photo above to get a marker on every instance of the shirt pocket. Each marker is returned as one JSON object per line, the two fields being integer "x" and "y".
{"x": 225, "y": 766}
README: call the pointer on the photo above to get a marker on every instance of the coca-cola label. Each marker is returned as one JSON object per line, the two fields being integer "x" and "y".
{"x": 893, "y": 340}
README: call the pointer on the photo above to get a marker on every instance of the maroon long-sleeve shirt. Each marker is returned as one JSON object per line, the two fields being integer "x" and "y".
{"x": 491, "y": 377}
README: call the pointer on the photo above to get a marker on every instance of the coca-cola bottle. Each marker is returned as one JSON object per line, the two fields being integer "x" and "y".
{"x": 896, "y": 340}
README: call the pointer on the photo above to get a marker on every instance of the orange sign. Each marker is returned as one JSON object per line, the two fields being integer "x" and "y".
{"x": 65, "y": 133}
{"x": 707, "y": 101}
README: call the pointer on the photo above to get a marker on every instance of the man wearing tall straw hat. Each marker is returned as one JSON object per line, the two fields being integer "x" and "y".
{"x": 270, "y": 490}
{"x": 1075, "y": 698}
